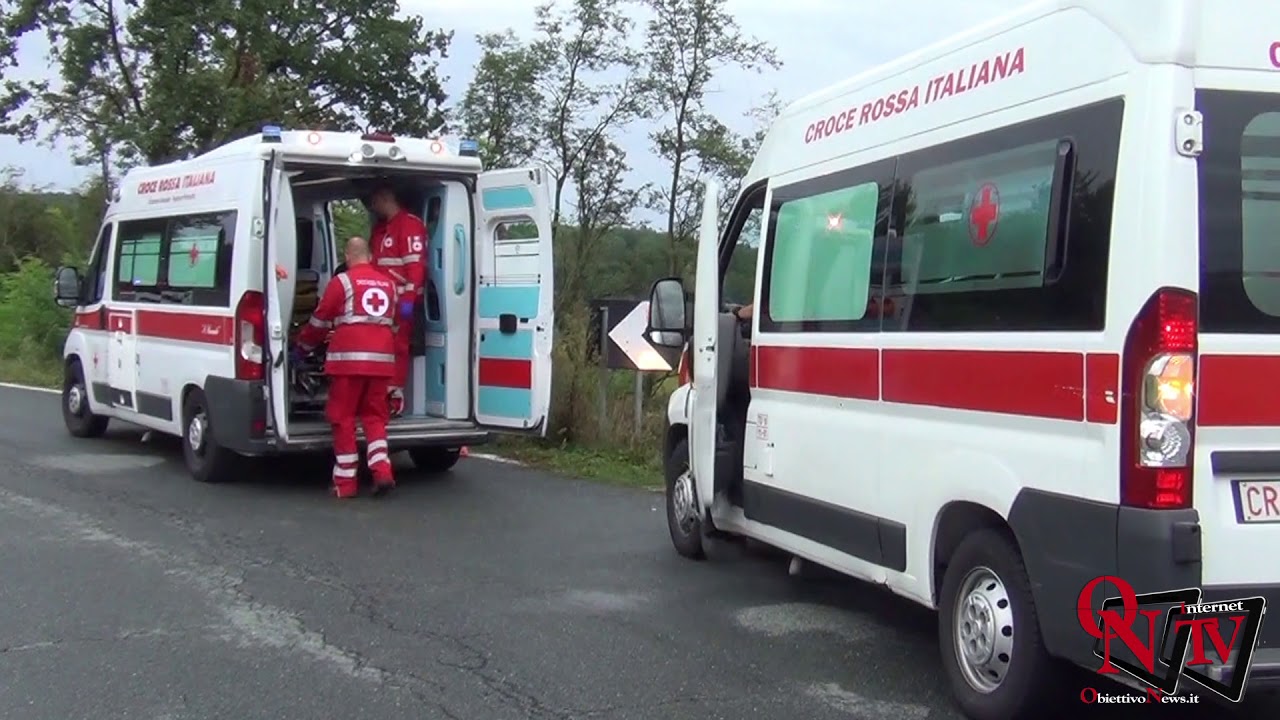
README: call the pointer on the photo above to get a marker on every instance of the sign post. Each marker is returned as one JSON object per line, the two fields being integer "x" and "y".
{"x": 604, "y": 365}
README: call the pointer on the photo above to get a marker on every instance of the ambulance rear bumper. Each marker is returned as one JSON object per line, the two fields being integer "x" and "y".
{"x": 239, "y": 415}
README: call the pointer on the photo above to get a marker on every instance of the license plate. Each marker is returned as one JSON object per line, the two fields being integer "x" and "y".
{"x": 1257, "y": 501}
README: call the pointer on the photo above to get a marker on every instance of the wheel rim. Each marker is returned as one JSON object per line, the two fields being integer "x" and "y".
{"x": 196, "y": 430}
{"x": 983, "y": 630}
{"x": 683, "y": 501}
{"x": 75, "y": 399}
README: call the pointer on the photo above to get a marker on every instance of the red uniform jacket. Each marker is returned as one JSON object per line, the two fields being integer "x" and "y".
{"x": 400, "y": 250}
{"x": 359, "y": 306}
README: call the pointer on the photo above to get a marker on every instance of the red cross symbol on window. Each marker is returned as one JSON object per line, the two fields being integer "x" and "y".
{"x": 984, "y": 215}
{"x": 193, "y": 254}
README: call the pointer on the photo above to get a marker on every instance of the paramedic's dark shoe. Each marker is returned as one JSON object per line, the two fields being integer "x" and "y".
{"x": 382, "y": 487}
{"x": 345, "y": 491}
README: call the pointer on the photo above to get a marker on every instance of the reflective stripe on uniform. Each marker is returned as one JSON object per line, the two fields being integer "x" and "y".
{"x": 341, "y": 472}
{"x": 376, "y": 457}
{"x": 411, "y": 258}
{"x": 348, "y": 296}
{"x": 364, "y": 320}
{"x": 377, "y": 445}
{"x": 322, "y": 324}
{"x": 360, "y": 357}
{"x": 391, "y": 261}
{"x": 347, "y": 458}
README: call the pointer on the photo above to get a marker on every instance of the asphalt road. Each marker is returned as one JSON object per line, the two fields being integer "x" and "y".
{"x": 127, "y": 590}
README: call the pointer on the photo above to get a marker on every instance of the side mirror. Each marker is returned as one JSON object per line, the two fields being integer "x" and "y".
{"x": 667, "y": 321}
{"x": 66, "y": 286}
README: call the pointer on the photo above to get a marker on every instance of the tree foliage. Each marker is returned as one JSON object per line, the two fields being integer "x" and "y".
{"x": 688, "y": 42}
{"x": 157, "y": 80}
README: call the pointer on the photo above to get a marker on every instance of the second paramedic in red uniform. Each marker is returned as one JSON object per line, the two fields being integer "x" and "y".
{"x": 359, "y": 307}
{"x": 400, "y": 249}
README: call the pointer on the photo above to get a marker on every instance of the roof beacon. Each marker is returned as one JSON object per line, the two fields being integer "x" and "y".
{"x": 468, "y": 148}
{"x": 271, "y": 133}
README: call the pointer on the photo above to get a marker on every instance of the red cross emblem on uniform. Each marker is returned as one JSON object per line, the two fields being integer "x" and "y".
{"x": 375, "y": 301}
{"x": 193, "y": 254}
{"x": 984, "y": 214}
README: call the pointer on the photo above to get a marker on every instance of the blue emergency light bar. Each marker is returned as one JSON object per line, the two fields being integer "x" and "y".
{"x": 468, "y": 148}
{"x": 271, "y": 133}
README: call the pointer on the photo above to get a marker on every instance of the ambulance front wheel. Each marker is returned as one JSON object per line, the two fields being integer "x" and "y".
{"x": 80, "y": 421}
{"x": 206, "y": 459}
{"x": 989, "y": 633}
{"x": 684, "y": 516}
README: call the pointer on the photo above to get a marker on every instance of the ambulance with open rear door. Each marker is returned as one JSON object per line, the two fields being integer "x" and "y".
{"x": 205, "y": 269}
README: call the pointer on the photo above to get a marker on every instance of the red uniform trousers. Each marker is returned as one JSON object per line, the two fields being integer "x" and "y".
{"x": 404, "y": 333}
{"x": 362, "y": 398}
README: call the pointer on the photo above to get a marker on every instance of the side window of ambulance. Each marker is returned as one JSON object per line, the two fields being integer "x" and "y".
{"x": 821, "y": 245}
{"x": 1008, "y": 230}
{"x": 138, "y": 246}
{"x": 198, "y": 267}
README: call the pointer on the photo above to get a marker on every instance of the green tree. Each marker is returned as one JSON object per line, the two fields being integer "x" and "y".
{"x": 687, "y": 43}
{"x": 578, "y": 48}
{"x": 156, "y": 80}
{"x": 503, "y": 105}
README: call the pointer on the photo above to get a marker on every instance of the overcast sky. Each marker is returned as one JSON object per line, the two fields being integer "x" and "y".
{"x": 820, "y": 42}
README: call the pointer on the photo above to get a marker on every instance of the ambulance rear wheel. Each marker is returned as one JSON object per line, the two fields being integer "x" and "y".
{"x": 80, "y": 421}
{"x": 434, "y": 459}
{"x": 206, "y": 460}
{"x": 989, "y": 633}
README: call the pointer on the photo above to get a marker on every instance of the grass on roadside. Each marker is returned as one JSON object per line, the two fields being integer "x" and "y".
{"x": 27, "y": 372}
{"x": 627, "y": 469}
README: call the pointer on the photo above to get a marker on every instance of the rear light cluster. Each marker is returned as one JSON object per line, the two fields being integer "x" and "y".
{"x": 250, "y": 335}
{"x": 685, "y": 371}
{"x": 1157, "y": 422}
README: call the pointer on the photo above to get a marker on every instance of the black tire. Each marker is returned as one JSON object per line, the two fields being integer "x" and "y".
{"x": 687, "y": 536}
{"x": 434, "y": 460}
{"x": 80, "y": 421}
{"x": 207, "y": 461}
{"x": 1029, "y": 674}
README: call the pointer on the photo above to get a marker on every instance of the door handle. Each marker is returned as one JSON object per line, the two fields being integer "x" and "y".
{"x": 460, "y": 261}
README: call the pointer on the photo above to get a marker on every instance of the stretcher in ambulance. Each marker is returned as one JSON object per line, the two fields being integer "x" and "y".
{"x": 205, "y": 269}
{"x": 1016, "y": 327}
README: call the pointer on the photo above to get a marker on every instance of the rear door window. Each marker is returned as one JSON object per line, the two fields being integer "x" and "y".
{"x": 1240, "y": 212}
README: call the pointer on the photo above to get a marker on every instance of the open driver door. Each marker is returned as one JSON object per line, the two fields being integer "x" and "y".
{"x": 279, "y": 250}
{"x": 514, "y": 305}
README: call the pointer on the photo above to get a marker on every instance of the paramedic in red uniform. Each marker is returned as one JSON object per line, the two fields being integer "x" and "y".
{"x": 399, "y": 249}
{"x": 359, "y": 307}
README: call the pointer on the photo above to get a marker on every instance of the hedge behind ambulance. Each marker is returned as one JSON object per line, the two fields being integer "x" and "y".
{"x": 1016, "y": 326}
{"x": 204, "y": 270}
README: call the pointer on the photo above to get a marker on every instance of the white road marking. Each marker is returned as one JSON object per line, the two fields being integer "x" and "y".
{"x": 792, "y": 618}
{"x": 864, "y": 708}
{"x": 495, "y": 458}
{"x": 33, "y": 388}
{"x": 246, "y": 622}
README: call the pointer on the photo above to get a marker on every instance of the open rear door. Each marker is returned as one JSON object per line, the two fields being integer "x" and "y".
{"x": 279, "y": 250}
{"x": 514, "y": 306}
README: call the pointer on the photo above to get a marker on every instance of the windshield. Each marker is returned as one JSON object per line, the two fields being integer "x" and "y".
{"x": 1240, "y": 212}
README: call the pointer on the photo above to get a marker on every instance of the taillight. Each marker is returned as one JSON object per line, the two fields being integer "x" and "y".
{"x": 249, "y": 336}
{"x": 685, "y": 371}
{"x": 1157, "y": 426}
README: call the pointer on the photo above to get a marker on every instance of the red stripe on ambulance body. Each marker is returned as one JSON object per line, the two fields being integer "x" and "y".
{"x": 1044, "y": 384}
{"x": 506, "y": 372}
{"x": 1238, "y": 391}
{"x": 187, "y": 327}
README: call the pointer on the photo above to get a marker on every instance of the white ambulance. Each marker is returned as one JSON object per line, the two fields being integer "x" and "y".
{"x": 1015, "y": 325}
{"x": 204, "y": 269}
